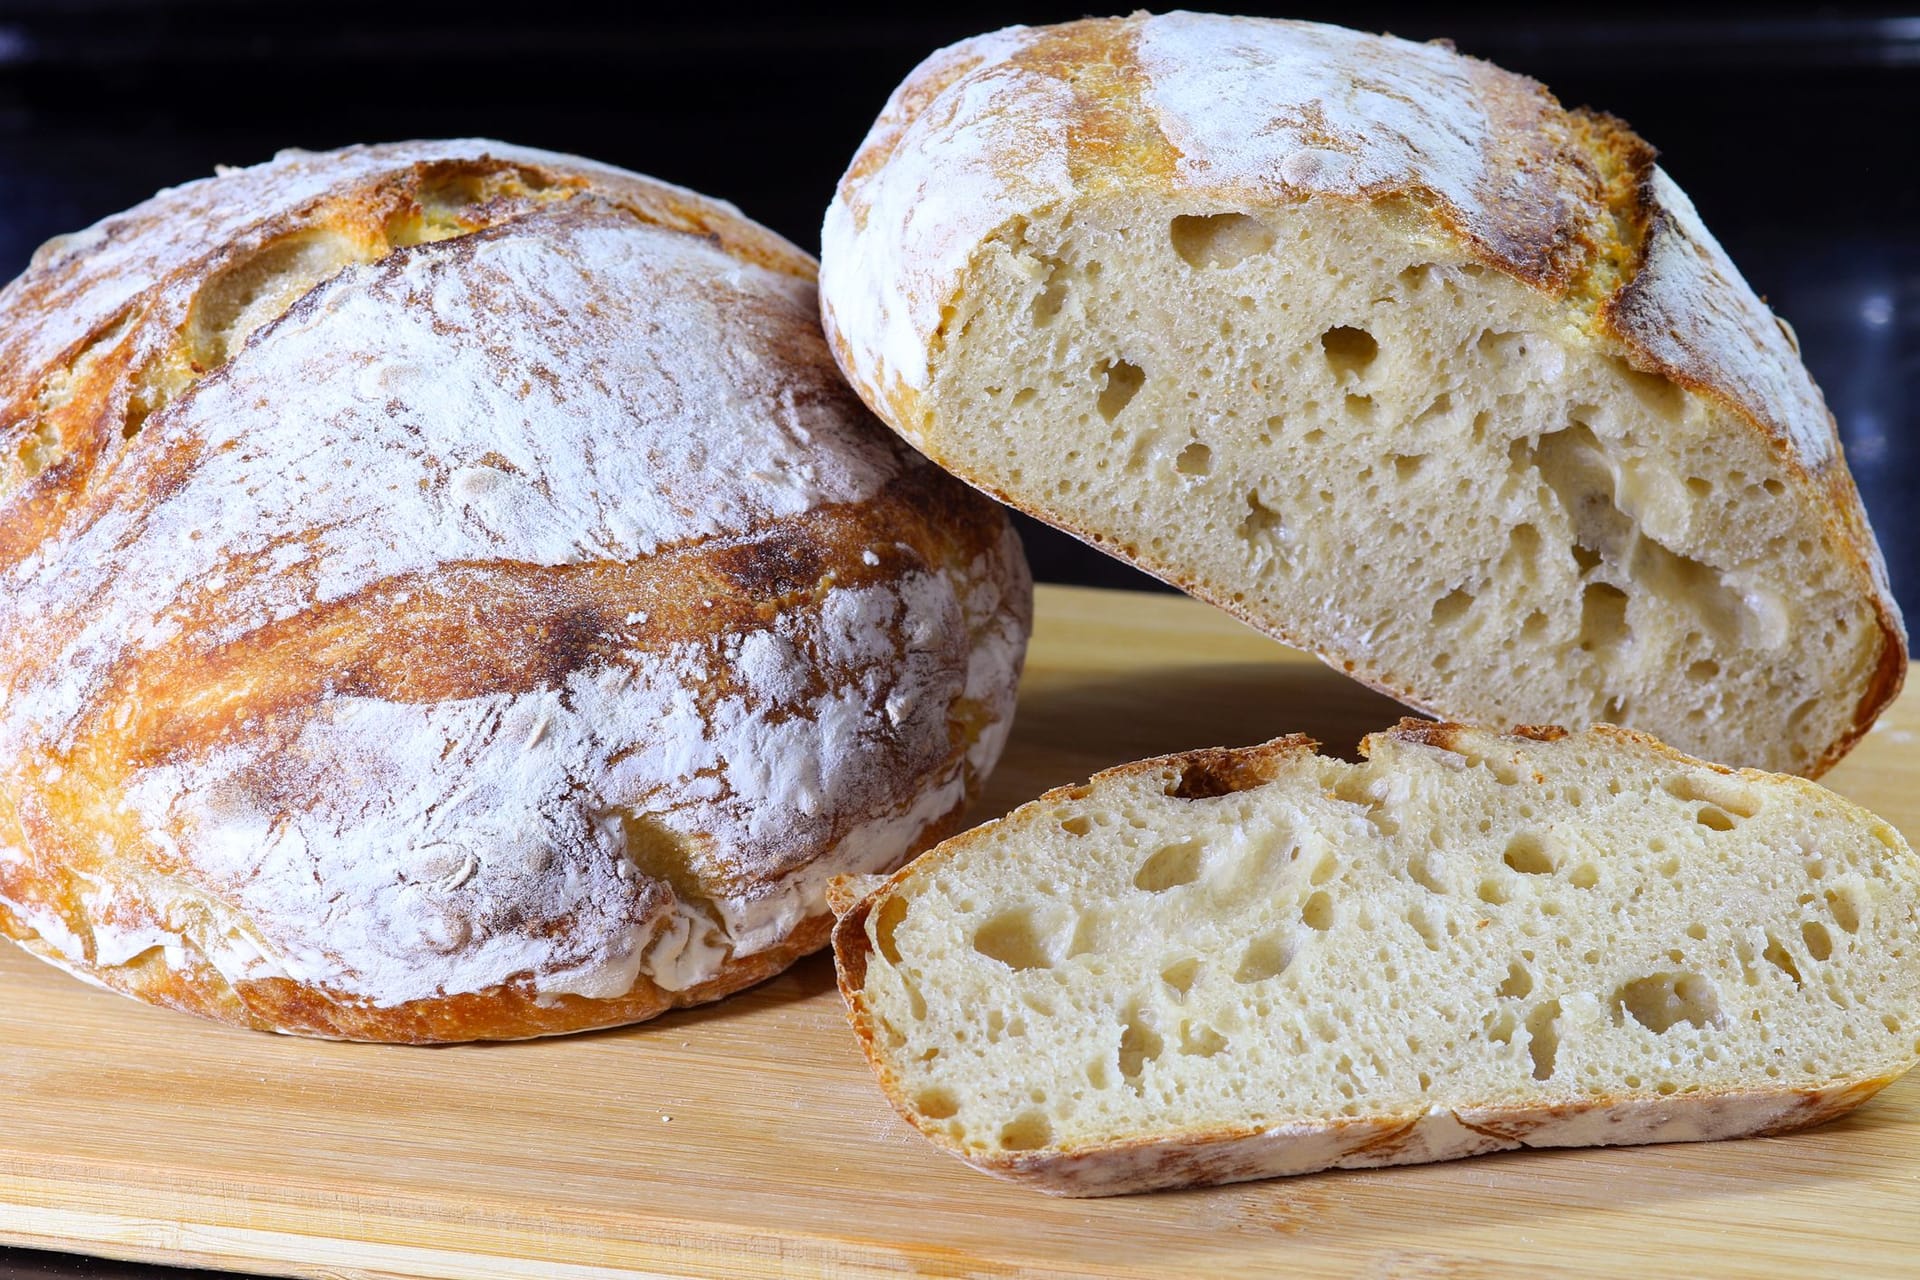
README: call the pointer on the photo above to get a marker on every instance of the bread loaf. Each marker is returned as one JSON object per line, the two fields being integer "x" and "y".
{"x": 450, "y": 594}
{"x": 1378, "y": 348}
{"x": 1235, "y": 964}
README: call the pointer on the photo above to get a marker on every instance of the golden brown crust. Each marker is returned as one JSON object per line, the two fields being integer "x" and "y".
{"x": 1215, "y": 1156}
{"x": 353, "y": 761}
{"x": 513, "y": 1012}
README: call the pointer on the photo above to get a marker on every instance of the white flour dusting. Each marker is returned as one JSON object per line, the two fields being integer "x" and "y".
{"x": 574, "y": 388}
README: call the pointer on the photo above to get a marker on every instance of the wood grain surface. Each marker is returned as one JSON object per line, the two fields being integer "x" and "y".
{"x": 746, "y": 1139}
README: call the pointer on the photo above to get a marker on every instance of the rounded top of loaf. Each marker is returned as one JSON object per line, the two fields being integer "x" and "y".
{"x": 1237, "y": 113}
{"x": 448, "y": 583}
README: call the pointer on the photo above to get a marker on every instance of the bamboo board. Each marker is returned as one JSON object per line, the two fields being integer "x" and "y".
{"x": 746, "y": 1139}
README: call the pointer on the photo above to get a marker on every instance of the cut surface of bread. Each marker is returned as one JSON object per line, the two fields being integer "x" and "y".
{"x": 1236, "y": 964}
{"x": 1377, "y": 347}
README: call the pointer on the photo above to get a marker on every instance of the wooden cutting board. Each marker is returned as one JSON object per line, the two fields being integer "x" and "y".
{"x": 746, "y": 1139}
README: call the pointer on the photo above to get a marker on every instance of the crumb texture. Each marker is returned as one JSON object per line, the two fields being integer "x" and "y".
{"x": 450, "y": 594}
{"x": 1237, "y": 964}
{"x": 1461, "y": 397}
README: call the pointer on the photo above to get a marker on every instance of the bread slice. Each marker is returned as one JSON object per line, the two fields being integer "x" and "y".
{"x": 1236, "y": 964}
{"x": 1380, "y": 349}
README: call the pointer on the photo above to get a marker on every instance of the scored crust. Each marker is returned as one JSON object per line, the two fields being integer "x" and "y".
{"x": 452, "y": 596}
{"x": 1169, "y": 1154}
{"x": 1013, "y": 128}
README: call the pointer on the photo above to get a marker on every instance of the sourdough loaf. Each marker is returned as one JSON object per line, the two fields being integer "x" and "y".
{"x": 1235, "y": 964}
{"x": 1377, "y": 347}
{"x": 451, "y": 594}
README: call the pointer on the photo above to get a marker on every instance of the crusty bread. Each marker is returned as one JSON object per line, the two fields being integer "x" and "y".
{"x": 1235, "y": 964}
{"x": 451, "y": 594}
{"x": 1383, "y": 351}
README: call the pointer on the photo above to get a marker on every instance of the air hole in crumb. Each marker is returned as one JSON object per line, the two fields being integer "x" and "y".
{"x": 1773, "y": 486}
{"x": 1407, "y": 465}
{"x": 1527, "y": 853}
{"x": 1139, "y": 1045}
{"x": 1200, "y": 1041}
{"x": 1013, "y": 938}
{"x": 1661, "y": 1000}
{"x": 1078, "y": 825}
{"x": 1584, "y": 876}
{"x": 1493, "y": 891}
{"x": 1698, "y": 932}
{"x": 1543, "y": 1038}
{"x": 1171, "y": 867}
{"x": 1534, "y": 627}
{"x": 1603, "y": 617}
{"x": 1714, "y": 818}
{"x": 1349, "y": 350}
{"x": 936, "y": 1103}
{"x": 1219, "y": 239}
{"x": 1261, "y": 521}
{"x": 1122, "y": 380}
{"x": 1819, "y": 941}
{"x": 1028, "y": 1131}
{"x": 1194, "y": 460}
{"x": 1264, "y": 958}
{"x": 1519, "y": 981}
{"x": 1360, "y": 406}
{"x": 1845, "y": 906}
{"x": 1451, "y": 607}
{"x": 1181, "y": 974}
{"x": 1318, "y": 912}
{"x": 1053, "y": 295}
{"x": 892, "y": 912}
{"x": 1778, "y": 956}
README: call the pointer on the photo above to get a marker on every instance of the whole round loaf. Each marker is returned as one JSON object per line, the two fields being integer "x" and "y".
{"x": 1380, "y": 349}
{"x": 449, "y": 594}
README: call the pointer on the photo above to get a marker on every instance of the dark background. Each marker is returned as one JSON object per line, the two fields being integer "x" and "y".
{"x": 1793, "y": 130}
{"x": 1796, "y": 131}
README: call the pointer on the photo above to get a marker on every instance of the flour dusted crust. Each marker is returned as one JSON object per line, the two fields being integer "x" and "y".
{"x": 449, "y": 594}
{"x": 1235, "y": 964}
{"x": 1013, "y": 152}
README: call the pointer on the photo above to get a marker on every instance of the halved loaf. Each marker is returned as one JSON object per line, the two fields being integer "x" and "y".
{"x": 1380, "y": 349}
{"x": 1236, "y": 964}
